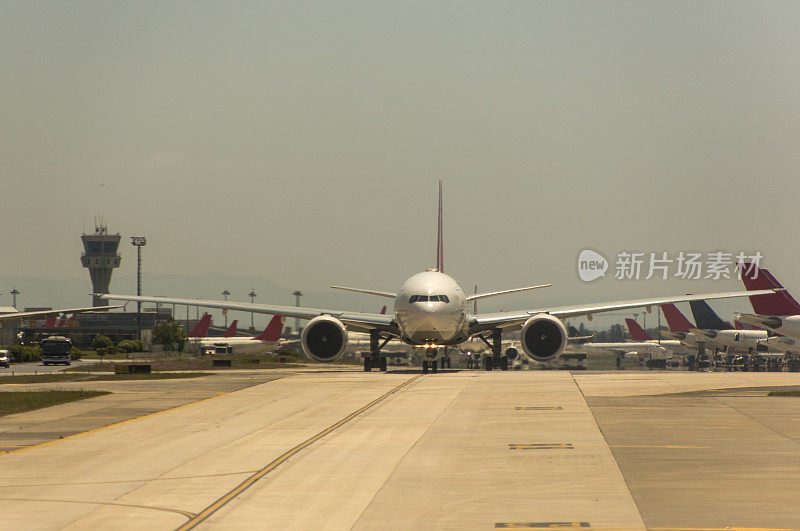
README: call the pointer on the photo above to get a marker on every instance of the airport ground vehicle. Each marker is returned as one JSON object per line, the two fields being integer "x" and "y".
{"x": 56, "y": 349}
{"x": 4, "y": 359}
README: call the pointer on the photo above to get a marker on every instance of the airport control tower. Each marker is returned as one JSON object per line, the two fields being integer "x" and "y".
{"x": 100, "y": 257}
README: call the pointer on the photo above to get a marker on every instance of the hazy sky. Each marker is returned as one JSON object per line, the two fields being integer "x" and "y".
{"x": 301, "y": 141}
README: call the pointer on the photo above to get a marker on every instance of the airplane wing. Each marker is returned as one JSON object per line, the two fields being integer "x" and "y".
{"x": 355, "y": 321}
{"x": 45, "y": 313}
{"x": 622, "y": 348}
{"x": 514, "y": 320}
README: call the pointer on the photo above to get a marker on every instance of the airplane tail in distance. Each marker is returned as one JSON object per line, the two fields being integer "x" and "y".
{"x": 61, "y": 322}
{"x": 383, "y": 310}
{"x": 780, "y": 303}
{"x": 675, "y": 319}
{"x": 706, "y": 318}
{"x": 51, "y": 322}
{"x": 231, "y": 331}
{"x": 637, "y": 332}
{"x": 202, "y": 326}
{"x": 738, "y": 325}
{"x": 72, "y": 321}
{"x": 440, "y": 237}
{"x": 273, "y": 330}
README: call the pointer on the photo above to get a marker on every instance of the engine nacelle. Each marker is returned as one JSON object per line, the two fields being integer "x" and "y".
{"x": 324, "y": 338}
{"x": 544, "y": 337}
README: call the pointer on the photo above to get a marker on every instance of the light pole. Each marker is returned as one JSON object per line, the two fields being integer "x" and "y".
{"x": 225, "y": 294}
{"x": 297, "y": 296}
{"x": 14, "y": 293}
{"x": 138, "y": 242}
{"x": 252, "y": 296}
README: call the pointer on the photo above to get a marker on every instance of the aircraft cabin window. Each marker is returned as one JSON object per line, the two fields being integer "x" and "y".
{"x": 423, "y": 298}
{"x": 412, "y": 299}
{"x": 444, "y": 298}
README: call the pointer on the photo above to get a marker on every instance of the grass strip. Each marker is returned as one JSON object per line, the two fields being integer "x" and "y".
{"x": 20, "y": 401}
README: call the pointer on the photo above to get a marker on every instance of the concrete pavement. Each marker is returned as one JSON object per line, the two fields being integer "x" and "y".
{"x": 455, "y": 450}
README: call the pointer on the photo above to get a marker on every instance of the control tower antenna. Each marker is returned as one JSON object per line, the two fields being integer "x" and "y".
{"x": 100, "y": 257}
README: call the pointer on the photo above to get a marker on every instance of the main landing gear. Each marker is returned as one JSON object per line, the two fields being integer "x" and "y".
{"x": 496, "y": 360}
{"x": 432, "y": 364}
{"x": 375, "y": 360}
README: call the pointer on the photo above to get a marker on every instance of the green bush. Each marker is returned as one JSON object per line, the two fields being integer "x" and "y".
{"x": 76, "y": 353}
{"x": 20, "y": 354}
{"x": 101, "y": 341}
{"x": 130, "y": 345}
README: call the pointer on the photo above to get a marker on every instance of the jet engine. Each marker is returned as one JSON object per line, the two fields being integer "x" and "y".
{"x": 543, "y": 337}
{"x": 324, "y": 338}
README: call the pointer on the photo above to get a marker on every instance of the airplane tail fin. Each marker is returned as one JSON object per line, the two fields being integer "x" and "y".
{"x": 779, "y": 303}
{"x": 383, "y": 310}
{"x": 739, "y": 325}
{"x": 440, "y": 236}
{"x": 706, "y": 318}
{"x": 637, "y": 332}
{"x": 51, "y": 322}
{"x": 202, "y": 326}
{"x": 273, "y": 330}
{"x": 231, "y": 331}
{"x": 675, "y": 319}
{"x": 72, "y": 321}
{"x": 61, "y": 322}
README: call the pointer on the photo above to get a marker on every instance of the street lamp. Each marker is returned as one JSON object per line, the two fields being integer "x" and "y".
{"x": 252, "y": 296}
{"x": 297, "y": 294}
{"x": 139, "y": 242}
{"x": 225, "y": 294}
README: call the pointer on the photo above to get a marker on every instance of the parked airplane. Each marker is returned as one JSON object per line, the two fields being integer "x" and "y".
{"x": 723, "y": 335}
{"x": 432, "y": 310}
{"x": 200, "y": 330}
{"x": 271, "y": 334}
{"x": 778, "y": 311}
{"x": 22, "y": 316}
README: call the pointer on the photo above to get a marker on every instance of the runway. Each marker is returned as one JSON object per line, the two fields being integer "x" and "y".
{"x": 455, "y": 450}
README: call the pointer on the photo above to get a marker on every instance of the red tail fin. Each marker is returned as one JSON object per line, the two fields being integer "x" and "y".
{"x": 738, "y": 325}
{"x": 637, "y": 332}
{"x": 440, "y": 237}
{"x": 273, "y": 330}
{"x": 383, "y": 310}
{"x": 51, "y": 322}
{"x": 72, "y": 321}
{"x": 61, "y": 322}
{"x": 201, "y": 328}
{"x": 675, "y": 319}
{"x": 780, "y": 303}
{"x": 231, "y": 331}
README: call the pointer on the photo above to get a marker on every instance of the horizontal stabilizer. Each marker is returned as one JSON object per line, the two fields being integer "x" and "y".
{"x": 495, "y": 293}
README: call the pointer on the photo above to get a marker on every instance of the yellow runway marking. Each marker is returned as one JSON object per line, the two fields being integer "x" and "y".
{"x": 211, "y": 509}
{"x": 83, "y": 433}
{"x": 187, "y": 514}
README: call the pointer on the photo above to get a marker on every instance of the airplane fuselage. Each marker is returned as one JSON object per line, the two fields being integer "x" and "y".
{"x": 431, "y": 309}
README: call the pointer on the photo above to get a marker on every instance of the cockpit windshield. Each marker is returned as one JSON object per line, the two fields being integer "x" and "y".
{"x": 428, "y": 298}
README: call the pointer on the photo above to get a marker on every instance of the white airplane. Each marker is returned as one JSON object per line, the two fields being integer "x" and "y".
{"x": 778, "y": 312}
{"x": 431, "y": 310}
{"x": 271, "y": 334}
